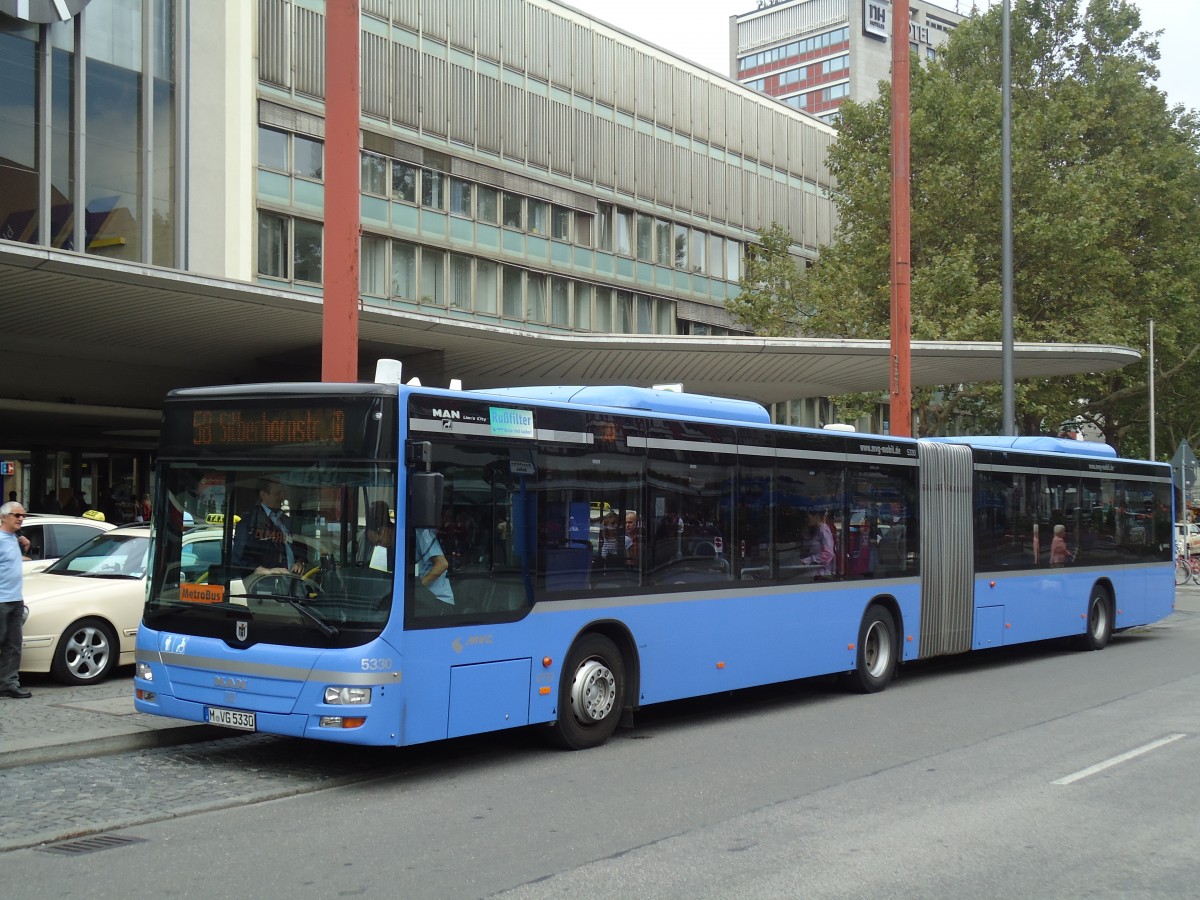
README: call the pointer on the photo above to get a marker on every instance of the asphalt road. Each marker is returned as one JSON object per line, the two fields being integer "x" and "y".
{"x": 1037, "y": 771}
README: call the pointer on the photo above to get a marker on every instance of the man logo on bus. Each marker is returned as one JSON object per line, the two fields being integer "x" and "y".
{"x": 447, "y": 414}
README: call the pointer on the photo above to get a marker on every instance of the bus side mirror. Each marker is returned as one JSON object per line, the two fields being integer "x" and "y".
{"x": 425, "y": 499}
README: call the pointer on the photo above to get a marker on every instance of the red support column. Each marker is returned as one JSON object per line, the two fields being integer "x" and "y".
{"x": 900, "y": 378}
{"x": 339, "y": 344}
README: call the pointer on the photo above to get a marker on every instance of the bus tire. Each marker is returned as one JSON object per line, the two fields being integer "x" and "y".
{"x": 875, "y": 661}
{"x": 1099, "y": 626}
{"x": 591, "y": 694}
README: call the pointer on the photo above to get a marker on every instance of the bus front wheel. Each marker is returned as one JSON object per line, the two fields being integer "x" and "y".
{"x": 590, "y": 695}
{"x": 876, "y": 652}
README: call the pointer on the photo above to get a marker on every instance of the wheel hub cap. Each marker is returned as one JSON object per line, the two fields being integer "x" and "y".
{"x": 593, "y": 692}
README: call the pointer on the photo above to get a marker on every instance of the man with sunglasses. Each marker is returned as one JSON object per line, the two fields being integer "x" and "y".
{"x": 13, "y": 546}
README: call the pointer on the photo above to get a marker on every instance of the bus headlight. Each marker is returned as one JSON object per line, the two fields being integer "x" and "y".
{"x": 347, "y": 695}
{"x": 144, "y": 671}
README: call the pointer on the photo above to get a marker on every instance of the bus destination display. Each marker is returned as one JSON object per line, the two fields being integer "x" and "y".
{"x": 240, "y": 428}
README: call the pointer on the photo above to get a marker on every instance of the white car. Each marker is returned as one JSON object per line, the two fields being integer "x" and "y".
{"x": 1192, "y": 532}
{"x": 52, "y": 536}
{"x": 84, "y": 609}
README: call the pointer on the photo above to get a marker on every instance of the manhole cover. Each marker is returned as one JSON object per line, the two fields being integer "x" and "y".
{"x": 91, "y": 844}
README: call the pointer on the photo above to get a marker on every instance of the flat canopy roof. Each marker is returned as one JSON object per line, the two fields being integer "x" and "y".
{"x": 93, "y": 345}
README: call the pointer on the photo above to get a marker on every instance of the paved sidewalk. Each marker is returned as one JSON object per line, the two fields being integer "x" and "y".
{"x": 59, "y": 722}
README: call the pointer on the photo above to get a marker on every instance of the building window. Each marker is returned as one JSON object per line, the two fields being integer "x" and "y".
{"x": 645, "y": 237}
{"x": 308, "y": 157}
{"x": 433, "y": 268}
{"x": 623, "y": 321}
{"x": 535, "y": 297}
{"x": 460, "y": 197}
{"x": 583, "y": 229}
{"x": 696, "y": 249}
{"x": 372, "y": 271}
{"x": 624, "y": 236}
{"x": 560, "y": 223}
{"x": 306, "y": 251}
{"x": 604, "y": 315}
{"x": 486, "y": 286}
{"x": 273, "y": 149}
{"x": 560, "y": 302}
{"x": 272, "y": 245}
{"x": 539, "y": 216}
{"x": 664, "y": 251}
{"x": 404, "y": 270}
{"x": 296, "y": 154}
{"x": 604, "y": 227}
{"x": 460, "y": 281}
{"x": 404, "y": 182}
{"x": 486, "y": 204}
{"x": 433, "y": 189}
{"x": 282, "y": 240}
{"x": 512, "y": 306}
{"x": 513, "y": 210}
{"x": 681, "y": 247}
{"x": 373, "y": 174}
{"x": 583, "y": 306}
{"x": 716, "y": 256}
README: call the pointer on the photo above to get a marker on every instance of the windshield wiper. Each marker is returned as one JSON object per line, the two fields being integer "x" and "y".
{"x": 325, "y": 628}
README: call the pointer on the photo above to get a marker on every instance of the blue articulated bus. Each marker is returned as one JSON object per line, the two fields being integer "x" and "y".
{"x": 401, "y": 564}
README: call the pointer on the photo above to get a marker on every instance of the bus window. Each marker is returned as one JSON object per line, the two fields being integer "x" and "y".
{"x": 808, "y": 519}
{"x": 688, "y": 529}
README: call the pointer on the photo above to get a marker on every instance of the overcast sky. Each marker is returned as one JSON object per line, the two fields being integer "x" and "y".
{"x": 699, "y": 30}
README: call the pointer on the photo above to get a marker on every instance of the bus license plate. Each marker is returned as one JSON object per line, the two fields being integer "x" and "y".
{"x": 231, "y": 718}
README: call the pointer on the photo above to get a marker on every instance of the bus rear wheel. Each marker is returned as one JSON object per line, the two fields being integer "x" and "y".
{"x": 1099, "y": 620}
{"x": 590, "y": 695}
{"x": 876, "y": 651}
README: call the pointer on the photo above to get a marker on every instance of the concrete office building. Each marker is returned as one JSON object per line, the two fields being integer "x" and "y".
{"x": 544, "y": 199}
{"x": 814, "y": 54}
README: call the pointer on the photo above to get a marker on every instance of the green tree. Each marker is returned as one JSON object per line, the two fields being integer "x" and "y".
{"x": 1106, "y": 201}
{"x": 769, "y": 292}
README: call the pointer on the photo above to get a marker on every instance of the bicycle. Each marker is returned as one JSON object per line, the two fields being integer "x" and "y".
{"x": 1187, "y": 568}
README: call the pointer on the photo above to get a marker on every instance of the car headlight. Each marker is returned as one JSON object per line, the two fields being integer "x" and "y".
{"x": 347, "y": 695}
{"x": 144, "y": 671}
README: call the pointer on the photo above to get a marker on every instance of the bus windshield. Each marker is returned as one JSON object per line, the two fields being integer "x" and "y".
{"x": 303, "y": 552}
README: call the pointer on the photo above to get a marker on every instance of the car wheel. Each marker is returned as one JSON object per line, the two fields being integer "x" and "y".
{"x": 86, "y": 653}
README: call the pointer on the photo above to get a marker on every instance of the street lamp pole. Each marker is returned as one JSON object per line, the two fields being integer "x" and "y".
{"x": 1006, "y": 227}
{"x": 1152, "y": 453}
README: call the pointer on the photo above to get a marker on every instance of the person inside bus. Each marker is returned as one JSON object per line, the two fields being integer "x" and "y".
{"x": 820, "y": 546}
{"x": 432, "y": 566}
{"x": 632, "y": 542}
{"x": 381, "y": 535}
{"x": 1060, "y": 554}
{"x": 263, "y": 543}
{"x": 610, "y": 537}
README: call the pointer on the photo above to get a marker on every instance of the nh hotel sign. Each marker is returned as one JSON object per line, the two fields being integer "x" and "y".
{"x": 875, "y": 13}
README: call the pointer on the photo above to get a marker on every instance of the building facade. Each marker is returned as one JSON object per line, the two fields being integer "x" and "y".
{"x": 814, "y": 54}
{"x": 523, "y": 166}
{"x": 543, "y": 199}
